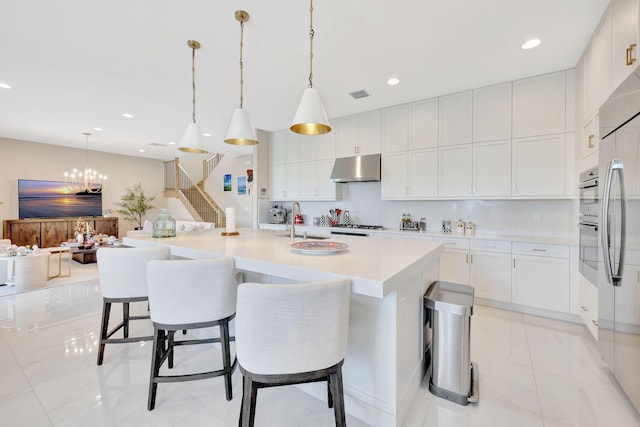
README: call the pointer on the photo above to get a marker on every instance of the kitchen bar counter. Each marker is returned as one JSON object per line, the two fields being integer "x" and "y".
{"x": 385, "y": 355}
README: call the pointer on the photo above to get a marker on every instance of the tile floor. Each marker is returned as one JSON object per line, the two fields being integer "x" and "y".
{"x": 533, "y": 372}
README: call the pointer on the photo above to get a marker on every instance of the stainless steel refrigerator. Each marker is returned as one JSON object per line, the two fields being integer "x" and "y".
{"x": 619, "y": 239}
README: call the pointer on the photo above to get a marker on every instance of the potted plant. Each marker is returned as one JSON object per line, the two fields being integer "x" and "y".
{"x": 134, "y": 205}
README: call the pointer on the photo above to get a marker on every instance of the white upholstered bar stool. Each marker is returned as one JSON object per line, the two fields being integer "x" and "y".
{"x": 190, "y": 294}
{"x": 292, "y": 334}
{"x": 122, "y": 273}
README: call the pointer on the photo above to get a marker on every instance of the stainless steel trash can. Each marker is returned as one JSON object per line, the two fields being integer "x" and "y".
{"x": 449, "y": 307}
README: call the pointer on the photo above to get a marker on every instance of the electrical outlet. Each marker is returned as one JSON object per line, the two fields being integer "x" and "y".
{"x": 536, "y": 216}
{"x": 465, "y": 215}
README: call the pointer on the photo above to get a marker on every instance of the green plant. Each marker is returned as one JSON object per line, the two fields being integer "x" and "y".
{"x": 134, "y": 204}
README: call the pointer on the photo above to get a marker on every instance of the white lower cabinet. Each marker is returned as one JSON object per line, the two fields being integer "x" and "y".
{"x": 490, "y": 269}
{"x": 454, "y": 261}
{"x": 540, "y": 276}
{"x": 589, "y": 306}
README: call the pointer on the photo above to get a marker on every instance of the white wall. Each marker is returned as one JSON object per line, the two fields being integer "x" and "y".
{"x": 236, "y": 165}
{"x": 30, "y": 160}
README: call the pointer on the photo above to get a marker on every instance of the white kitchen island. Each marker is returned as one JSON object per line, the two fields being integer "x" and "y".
{"x": 385, "y": 356}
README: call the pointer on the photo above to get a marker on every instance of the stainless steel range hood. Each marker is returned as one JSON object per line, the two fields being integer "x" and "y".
{"x": 356, "y": 169}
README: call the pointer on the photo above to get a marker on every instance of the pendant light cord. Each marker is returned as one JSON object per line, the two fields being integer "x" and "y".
{"x": 241, "y": 64}
{"x": 311, "y": 34}
{"x": 193, "y": 83}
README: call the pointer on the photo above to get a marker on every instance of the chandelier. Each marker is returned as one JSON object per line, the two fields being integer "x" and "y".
{"x": 87, "y": 180}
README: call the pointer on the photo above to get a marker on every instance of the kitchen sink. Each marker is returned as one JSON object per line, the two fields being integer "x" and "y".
{"x": 301, "y": 236}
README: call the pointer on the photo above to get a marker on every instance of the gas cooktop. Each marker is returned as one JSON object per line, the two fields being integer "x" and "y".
{"x": 360, "y": 226}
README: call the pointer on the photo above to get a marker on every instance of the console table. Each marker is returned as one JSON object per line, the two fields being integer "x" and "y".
{"x": 50, "y": 232}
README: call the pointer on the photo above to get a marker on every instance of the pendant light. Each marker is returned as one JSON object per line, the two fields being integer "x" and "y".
{"x": 310, "y": 118}
{"x": 191, "y": 141}
{"x": 240, "y": 130}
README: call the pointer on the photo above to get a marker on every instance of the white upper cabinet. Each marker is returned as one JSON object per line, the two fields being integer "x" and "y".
{"x": 624, "y": 39}
{"x": 318, "y": 147}
{"x": 308, "y": 148}
{"x": 492, "y": 169}
{"x": 284, "y": 147}
{"x": 455, "y": 171}
{"x": 538, "y": 166}
{"x": 492, "y": 113}
{"x": 455, "y": 119}
{"x": 539, "y": 105}
{"x": 602, "y": 61}
{"x": 314, "y": 183}
{"x": 327, "y": 143}
{"x": 588, "y": 84}
{"x": 359, "y": 134}
{"x": 410, "y": 174}
{"x": 395, "y": 129}
{"x": 423, "y": 124}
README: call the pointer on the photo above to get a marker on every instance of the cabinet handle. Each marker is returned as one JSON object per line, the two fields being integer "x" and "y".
{"x": 513, "y": 188}
{"x": 595, "y": 322}
{"x": 469, "y": 188}
{"x": 630, "y": 58}
{"x": 471, "y": 258}
{"x": 590, "y": 144}
{"x": 474, "y": 189}
{"x": 539, "y": 250}
{"x": 514, "y": 263}
{"x": 467, "y": 258}
{"x": 584, "y": 308}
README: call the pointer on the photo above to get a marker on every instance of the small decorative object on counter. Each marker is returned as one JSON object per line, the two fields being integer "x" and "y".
{"x": 460, "y": 227}
{"x": 298, "y": 219}
{"x": 446, "y": 226}
{"x": 423, "y": 224}
{"x": 470, "y": 229}
{"x": 346, "y": 218}
{"x": 164, "y": 225}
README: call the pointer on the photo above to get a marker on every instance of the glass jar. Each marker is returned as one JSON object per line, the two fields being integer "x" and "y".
{"x": 164, "y": 225}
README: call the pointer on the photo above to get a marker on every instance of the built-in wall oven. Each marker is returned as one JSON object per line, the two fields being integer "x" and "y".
{"x": 588, "y": 223}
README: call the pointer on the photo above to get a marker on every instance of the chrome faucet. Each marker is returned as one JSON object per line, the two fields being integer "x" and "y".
{"x": 293, "y": 219}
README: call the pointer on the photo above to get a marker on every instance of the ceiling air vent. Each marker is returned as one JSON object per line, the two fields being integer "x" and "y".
{"x": 358, "y": 94}
{"x": 157, "y": 144}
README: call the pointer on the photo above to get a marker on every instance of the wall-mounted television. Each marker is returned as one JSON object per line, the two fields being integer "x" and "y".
{"x": 54, "y": 199}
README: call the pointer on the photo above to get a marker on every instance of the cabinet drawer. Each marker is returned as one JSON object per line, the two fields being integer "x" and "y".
{"x": 491, "y": 246}
{"x": 453, "y": 242}
{"x": 556, "y": 251}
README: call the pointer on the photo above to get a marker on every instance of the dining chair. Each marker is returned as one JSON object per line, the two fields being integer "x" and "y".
{"x": 185, "y": 295}
{"x": 292, "y": 334}
{"x": 122, "y": 273}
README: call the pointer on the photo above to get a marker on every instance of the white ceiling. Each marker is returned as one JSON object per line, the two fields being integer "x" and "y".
{"x": 79, "y": 64}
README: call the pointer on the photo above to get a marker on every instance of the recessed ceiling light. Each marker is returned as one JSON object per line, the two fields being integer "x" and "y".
{"x": 5, "y": 85}
{"x": 98, "y": 129}
{"x": 172, "y": 143}
{"x": 141, "y": 150}
{"x": 530, "y": 44}
{"x": 128, "y": 116}
{"x": 206, "y": 134}
{"x": 393, "y": 81}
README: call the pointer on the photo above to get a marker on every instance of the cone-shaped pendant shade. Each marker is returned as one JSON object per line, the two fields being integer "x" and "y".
{"x": 191, "y": 141}
{"x": 311, "y": 118}
{"x": 240, "y": 131}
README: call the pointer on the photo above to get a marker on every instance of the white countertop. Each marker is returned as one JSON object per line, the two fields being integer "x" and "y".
{"x": 371, "y": 264}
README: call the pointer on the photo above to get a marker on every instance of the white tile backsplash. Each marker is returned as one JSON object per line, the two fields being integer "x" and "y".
{"x": 553, "y": 218}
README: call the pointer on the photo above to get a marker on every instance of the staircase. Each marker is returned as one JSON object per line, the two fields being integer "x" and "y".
{"x": 200, "y": 205}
